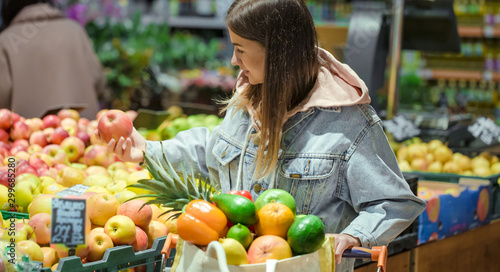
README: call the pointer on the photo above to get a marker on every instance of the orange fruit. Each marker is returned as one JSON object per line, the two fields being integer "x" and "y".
{"x": 274, "y": 219}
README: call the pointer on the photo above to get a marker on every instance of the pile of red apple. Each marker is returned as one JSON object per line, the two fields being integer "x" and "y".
{"x": 54, "y": 153}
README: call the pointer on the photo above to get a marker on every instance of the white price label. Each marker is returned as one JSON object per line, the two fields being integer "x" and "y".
{"x": 489, "y": 32}
{"x": 401, "y": 128}
{"x": 485, "y": 129}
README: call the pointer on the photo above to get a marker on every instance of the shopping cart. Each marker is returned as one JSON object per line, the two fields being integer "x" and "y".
{"x": 377, "y": 253}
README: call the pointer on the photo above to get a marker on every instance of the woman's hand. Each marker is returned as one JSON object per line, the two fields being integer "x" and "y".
{"x": 342, "y": 242}
{"x": 131, "y": 149}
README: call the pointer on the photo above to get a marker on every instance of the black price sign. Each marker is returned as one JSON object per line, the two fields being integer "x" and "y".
{"x": 401, "y": 128}
{"x": 68, "y": 222}
{"x": 485, "y": 129}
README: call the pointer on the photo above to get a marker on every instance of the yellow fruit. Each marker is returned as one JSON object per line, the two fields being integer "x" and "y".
{"x": 494, "y": 159}
{"x": 235, "y": 252}
{"x": 434, "y": 144}
{"x": 443, "y": 154}
{"x": 450, "y": 167}
{"x": 97, "y": 180}
{"x": 482, "y": 171}
{"x": 419, "y": 164}
{"x": 46, "y": 181}
{"x": 4, "y": 198}
{"x": 405, "y": 166}
{"x": 53, "y": 188}
{"x": 463, "y": 162}
{"x": 402, "y": 153}
{"x": 274, "y": 219}
{"x": 134, "y": 177}
{"x": 495, "y": 168}
{"x": 124, "y": 195}
{"x": 435, "y": 167}
{"x": 430, "y": 158}
{"x": 417, "y": 151}
{"x": 480, "y": 162}
{"x": 71, "y": 176}
{"x": 98, "y": 189}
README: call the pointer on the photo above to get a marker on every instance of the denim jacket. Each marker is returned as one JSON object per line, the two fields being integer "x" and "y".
{"x": 335, "y": 161}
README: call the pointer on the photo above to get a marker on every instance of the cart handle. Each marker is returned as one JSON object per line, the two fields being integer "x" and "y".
{"x": 376, "y": 253}
{"x": 170, "y": 243}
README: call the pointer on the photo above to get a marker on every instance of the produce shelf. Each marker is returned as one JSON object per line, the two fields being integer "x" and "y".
{"x": 459, "y": 75}
{"x": 479, "y": 32}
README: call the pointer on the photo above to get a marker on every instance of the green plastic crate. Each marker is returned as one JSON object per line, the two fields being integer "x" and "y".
{"x": 117, "y": 259}
{"x": 8, "y": 215}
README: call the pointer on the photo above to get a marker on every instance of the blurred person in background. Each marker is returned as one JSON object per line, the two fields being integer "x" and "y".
{"x": 46, "y": 61}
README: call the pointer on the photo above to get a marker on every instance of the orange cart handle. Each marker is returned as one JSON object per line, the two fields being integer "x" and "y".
{"x": 377, "y": 253}
{"x": 170, "y": 243}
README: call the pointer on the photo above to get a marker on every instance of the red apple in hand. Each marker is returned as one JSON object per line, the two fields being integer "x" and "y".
{"x": 115, "y": 124}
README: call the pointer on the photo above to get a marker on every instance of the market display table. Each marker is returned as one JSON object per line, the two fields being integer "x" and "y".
{"x": 474, "y": 250}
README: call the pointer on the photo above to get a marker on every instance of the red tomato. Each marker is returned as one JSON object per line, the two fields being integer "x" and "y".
{"x": 242, "y": 193}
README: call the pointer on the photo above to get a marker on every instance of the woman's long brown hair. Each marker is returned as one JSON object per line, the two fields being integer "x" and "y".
{"x": 286, "y": 30}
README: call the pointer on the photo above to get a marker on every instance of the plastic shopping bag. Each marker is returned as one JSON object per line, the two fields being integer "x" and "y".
{"x": 190, "y": 258}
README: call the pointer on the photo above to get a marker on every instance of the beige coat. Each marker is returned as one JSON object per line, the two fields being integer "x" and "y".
{"x": 47, "y": 63}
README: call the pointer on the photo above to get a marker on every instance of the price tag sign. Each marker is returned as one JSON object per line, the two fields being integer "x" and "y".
{"x": 68, "y": 222}
{"x": 485, "y": 129}
{"x": 401, "y": 128}
{"x": 76, "y": 190}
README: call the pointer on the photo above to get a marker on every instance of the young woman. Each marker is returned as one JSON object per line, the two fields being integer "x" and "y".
{"x": 300, "y": 121}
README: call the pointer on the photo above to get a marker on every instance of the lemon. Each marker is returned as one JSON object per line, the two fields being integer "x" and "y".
{"x": 235, "y": 252}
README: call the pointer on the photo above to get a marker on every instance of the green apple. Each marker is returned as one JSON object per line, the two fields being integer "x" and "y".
{"x": 117, "y": 186}
{"x": 25, "y": 192}
{"x": 97, "y": 180}
{"x": 19, "y": 232}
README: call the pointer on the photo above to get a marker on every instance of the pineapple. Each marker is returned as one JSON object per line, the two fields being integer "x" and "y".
{"x": 170, "y": 190}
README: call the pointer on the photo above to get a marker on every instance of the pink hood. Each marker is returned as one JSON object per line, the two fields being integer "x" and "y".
{"x": 337, "y": 85}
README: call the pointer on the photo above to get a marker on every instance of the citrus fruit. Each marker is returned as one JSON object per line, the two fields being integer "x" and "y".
{"x": 274, "y": 219}
{"x": 235, "y": 252}
{"x": 276, "y": 195}
{"x": 268, "y": 247}
{"x": 241, "y": 234}
{"x": 306, "y": 235}
{"x": 238, "y": 209}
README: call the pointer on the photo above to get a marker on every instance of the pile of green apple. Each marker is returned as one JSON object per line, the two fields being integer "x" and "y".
{"x": 177, "y": 122}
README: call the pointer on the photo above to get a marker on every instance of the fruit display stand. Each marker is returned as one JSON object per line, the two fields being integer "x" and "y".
{"x": 117, "y": 259}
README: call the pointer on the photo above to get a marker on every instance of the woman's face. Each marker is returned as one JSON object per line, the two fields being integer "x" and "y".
{"x": 250, "y": 56}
